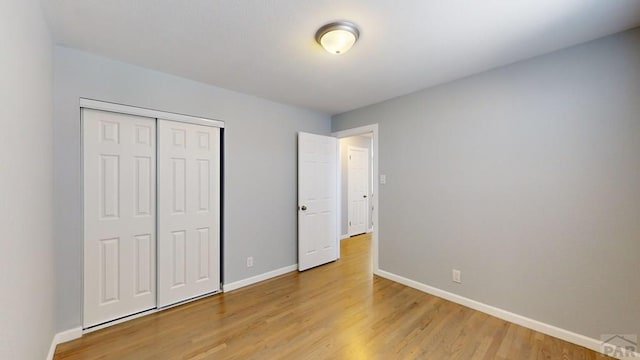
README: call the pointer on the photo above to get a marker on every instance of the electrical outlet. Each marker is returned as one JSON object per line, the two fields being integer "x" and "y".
{"x": 250, "y": 261}
{"x": 456, "y": 276}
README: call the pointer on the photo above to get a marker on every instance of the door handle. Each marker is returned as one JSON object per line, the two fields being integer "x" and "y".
{"x": 303, "y": 208}
{"x": 364, "y": 196}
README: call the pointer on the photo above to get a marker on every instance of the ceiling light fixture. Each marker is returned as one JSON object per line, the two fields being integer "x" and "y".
{"x": 338, "y": 37}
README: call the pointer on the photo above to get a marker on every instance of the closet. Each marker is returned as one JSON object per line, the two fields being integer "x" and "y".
{"x": 151, "y": 209}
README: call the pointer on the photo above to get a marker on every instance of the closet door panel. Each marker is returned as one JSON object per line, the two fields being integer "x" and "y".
{"x": 119, "y": 158}
{"x": 188, "y": 211}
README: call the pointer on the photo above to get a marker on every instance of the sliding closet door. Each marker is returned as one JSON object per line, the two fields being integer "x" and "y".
{"x": 119, "y": 156}
{"x": 188, "y": 211}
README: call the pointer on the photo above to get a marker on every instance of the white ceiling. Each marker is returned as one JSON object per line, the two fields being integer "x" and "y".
{"x": 267, "y": 48}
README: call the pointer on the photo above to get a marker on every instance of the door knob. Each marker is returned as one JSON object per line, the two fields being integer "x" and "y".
{"x": 364, "y": 196}
{"x": 303, "y": 208}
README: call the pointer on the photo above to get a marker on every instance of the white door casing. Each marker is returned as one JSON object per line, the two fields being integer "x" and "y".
{"x": 119, "y": 157}
{"x": 317, "y": 200}
{"x": 358, "y": 190}
{"x": 188, "y": 211}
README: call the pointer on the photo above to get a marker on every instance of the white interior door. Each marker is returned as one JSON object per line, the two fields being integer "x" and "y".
{"x": 119, "y": 215}
{"x": 317, "y": 200}
{"x": 188, "y": 211}
{"x": 358, "y": 190}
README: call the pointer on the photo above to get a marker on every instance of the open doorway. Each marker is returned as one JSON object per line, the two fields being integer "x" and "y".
{"x": 356, "y": 185}
{"x": 358, "y": 202}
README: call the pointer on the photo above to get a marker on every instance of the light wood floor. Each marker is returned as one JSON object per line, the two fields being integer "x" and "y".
{"x": 336, "y": 311}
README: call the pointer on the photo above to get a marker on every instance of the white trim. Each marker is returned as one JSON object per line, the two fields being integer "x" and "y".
{"x": 338, "y": 198}
{"x": 344, "y": 236}
{"x": 544, "y": 328}
{"x": 258, "y": 278}
{"x": 62, "y": 337}
{"x": 132, "y": 110}
{"x": 566, "y": 335}
{"x": 373, "y": 129}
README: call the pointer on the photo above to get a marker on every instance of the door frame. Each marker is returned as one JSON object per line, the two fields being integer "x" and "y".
{"x": 362, "y": 130}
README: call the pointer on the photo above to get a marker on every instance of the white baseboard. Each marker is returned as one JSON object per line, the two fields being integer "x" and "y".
{"x": 566, "y": 335}
{"x": 61, "y": 337}
{"x": 572, "y": 337}
{"x": 256, "y": 279}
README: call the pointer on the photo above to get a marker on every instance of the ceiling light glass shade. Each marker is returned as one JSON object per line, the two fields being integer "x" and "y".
{"x": 338, "y": 37}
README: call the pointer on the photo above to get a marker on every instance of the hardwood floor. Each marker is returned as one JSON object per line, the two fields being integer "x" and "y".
{"x": 336, "y": 311}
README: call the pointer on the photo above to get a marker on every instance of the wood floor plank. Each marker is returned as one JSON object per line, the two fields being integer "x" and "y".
{"x": 336, "y": 311}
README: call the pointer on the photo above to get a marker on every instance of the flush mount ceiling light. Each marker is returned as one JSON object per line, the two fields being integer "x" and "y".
{"x": 338, "y": 37}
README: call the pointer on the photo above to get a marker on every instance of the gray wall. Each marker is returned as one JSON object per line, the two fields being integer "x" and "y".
{"x": 526, "y": 178}
{"x": 27, "y": 298}
{"x": 260, "y": 164}
{"x": 363, "y": 142}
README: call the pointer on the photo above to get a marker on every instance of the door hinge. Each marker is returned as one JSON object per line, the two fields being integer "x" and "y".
{"x": 349, "y": 223}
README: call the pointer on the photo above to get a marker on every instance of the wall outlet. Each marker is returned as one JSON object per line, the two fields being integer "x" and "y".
{"x": 383, "y": 179}
{"x": 250, "y": 261}
{"x": 456, "y": 276}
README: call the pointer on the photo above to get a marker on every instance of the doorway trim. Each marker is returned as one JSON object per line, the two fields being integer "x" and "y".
{"x": 367, "y": 129}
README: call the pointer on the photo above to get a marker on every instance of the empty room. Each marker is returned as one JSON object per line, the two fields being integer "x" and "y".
{"x": 422, "y": 179}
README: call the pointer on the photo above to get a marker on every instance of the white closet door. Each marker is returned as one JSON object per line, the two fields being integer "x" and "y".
{"x": 119, "y": 156}
{"x": 188, "y": 211}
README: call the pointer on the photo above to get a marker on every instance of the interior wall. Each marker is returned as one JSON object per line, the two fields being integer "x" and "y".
{"x": 363, "y": 142}
{"x": 526, "y": 178}
{"x": 27, "y": 300}
{"x": 260, "y": 164}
